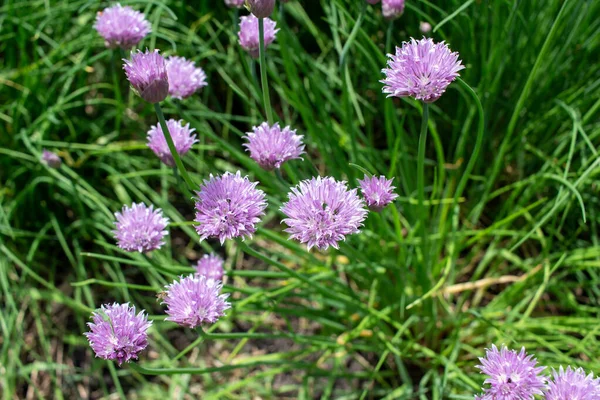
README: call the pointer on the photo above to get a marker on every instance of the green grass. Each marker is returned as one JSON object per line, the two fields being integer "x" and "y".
{"x": 506, "y": 253}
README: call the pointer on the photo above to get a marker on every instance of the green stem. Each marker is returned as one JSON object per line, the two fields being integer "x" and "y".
{"x": 281, "y": 13}
{"x": 279, "y": 176}
{"x": 174, "y": 154}
{"x": 388, "y": 37}
{"x": 349, "y": 117}
{"x": 352, "y": 35}
{"x": 253, "y": 71}
{"x": 177, "y": 177}
{"x": 263, "y": 71}
{"x": 478, "y": 142}
{"x": 117, "y": 89}
{"x": 422, "y": 272}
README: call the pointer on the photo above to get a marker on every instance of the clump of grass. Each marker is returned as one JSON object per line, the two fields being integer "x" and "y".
{"x": 511, "y": 248}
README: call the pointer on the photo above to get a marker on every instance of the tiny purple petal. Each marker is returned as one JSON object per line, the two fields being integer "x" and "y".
{"x": 195, "y": 300}
{"x": 117, "y": 333}
{"x": 248, "y": 34}
{"x": 392, "y": 8}
{"x": 51, "y": 159}
{"x": 377, "y": 191}
{"x": 322, "y": 211}
{"x": 228, "y": 206}
{"x": 147, "y": 73}
{"x": 185, "y": 78}
{"x": 571, "y": 384}
{"x": 211, "y": 267}
{"x": 121, "y": 26}
{"x": 182, "y": 139}
{"x": 272, "y": 146}
{"x": 140, "y": 228}
{"x": 421, "y": 69}
{"x": 511, "y": 375}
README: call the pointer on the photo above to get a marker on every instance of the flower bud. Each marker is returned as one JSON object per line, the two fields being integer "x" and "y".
{"x": 261, "y": 8}
{"x": 147, "y": 74}
{"x": 425, "y": 27}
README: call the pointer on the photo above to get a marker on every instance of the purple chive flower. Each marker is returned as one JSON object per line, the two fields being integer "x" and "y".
{"x": 182, "y": 139}
{"x": 235, "y": 3}
{"x": 117, "y": 333}
{"x": 421, "y": 69}
{"x": 248, "y": 34}
{"x": 211, "y": 267}
{"x": 140, "y": 228}
{"x": 184, "y": 78}
{"x": 261, "y": 8}
{"x": 272, "y": 146}
{"x": 511, "y": 375}
{"x": 121, "y": 26}
{"x": 377, "y": 191}
{"x": 392, "y": 8}
{"x": 322, "y": 211}
{"x": 195, "y": 300}
{"x": 51, "y": 159}
{"x": 572, "y": 384}
{"x": 228, "y": 206}
{"x": 147, "y": 73}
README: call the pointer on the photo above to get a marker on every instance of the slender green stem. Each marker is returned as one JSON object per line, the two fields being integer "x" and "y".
{"x": 178, "y": 162}
{"x": 279, "y": 176}
{"x": 388, "y": 37}
{"x": 115, "y": 378}
{"x": 201, "y": 332}
{"x": 281, "y": 13}
{"x": 177, "y": 177}
{"x": 478, "y": 142}
{"x": 422, "y": 211}
{"x": 252, "y": 66}
{"x": 263, "y": 71}
{"x": 236, "y": 18}
{"x": 352, "y": 35}
{"x": 117, "y": 89}
{"x": 349, "y": 117}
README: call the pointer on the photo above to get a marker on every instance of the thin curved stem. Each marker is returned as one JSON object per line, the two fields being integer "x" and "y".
{"x": 422, "y": 273}
{"x": 423, "y": 213}
{"x": 421, "y": 160}
{"x": 352, "y": 35}
{"x": 279, "y": 176}
{"x": 172, "y": 149}
{"x": 388, "y": 37}
{"x": 263, "y": 71}
{"x": 478, "y": 142}
{"x": 117, "y": 89}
